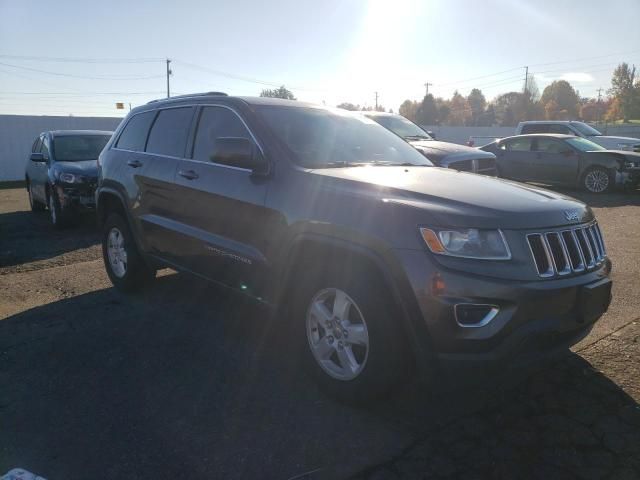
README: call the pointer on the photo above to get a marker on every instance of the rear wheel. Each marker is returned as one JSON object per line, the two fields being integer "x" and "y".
{"x": 35, "y": 205}
{"x": 598, "y": 180}
{"x": 352, "y": 336}
{"x": 124, "y": 264}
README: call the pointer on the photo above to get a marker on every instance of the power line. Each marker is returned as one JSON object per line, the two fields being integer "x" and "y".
{"x": 477, "y": 78}
{"x": 80, "y": 76}
{"x": 83, "y": 60}
{"x": 584, "y": 58}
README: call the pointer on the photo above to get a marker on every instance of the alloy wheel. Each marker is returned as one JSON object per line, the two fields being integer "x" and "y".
{"x": 116, "y": 252}
{"x": 337, "y": 334}
{"x": 596, "y": 181}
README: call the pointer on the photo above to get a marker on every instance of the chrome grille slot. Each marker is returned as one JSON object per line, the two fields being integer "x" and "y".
{"x": 574, "y": 250}
{"x": 568, "y": 251}
{"x": 540, "y": 254}
{"x": 558, "y": 253}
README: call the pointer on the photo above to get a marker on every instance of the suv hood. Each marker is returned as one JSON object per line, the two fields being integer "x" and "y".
{"x": 87, "y": 168}
{"x": 459, "y": 199}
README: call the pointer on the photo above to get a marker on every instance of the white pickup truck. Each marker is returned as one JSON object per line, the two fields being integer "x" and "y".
{"x": 579, "y": 129}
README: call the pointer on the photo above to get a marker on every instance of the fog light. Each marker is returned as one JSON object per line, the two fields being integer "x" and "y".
{"x": 474, "y": 314}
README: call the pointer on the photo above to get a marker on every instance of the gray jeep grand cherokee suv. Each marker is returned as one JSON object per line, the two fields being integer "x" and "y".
{"x": 375, "y": 260}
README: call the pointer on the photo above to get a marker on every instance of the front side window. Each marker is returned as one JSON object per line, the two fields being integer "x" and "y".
{"x": 519, "y": 145}
{"x": 549, "y": 145}
{"x": 214, "y": 123}
{"x": 324, "y": 138}
{"x": 76, "y": 148}
{"x": 169, "y": 132}
{"x": 135, "y": 133}
{"x": 36, "y": 145}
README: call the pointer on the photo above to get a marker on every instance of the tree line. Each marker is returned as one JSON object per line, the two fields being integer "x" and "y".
{"x": 558, "y": 101}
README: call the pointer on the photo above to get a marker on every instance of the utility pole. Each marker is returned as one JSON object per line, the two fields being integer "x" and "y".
{"x": 168, "y": 74}
{"x": 526, "y": 80}
{"x": 376, "y": 101}
{"x": 427, "y": 85}
{"x": 599, "y": 106}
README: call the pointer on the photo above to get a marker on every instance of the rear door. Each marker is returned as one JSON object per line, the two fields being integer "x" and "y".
{"x": 153, "y": 143}
{"x": 556, "y": 162}
{"x": 515, "y": 158}
{"x": 224, "y": 211}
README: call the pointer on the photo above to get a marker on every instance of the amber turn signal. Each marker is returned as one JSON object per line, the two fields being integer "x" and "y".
{"x": 431, "y": 239}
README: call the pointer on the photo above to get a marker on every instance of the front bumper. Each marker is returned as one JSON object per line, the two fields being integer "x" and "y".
{"x": 81, "y": 197}
{"x": 628, "y": 177}
{"x": 535, "y": 318}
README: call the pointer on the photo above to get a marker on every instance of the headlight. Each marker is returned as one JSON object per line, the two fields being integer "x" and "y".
{"x": 625, "y": 146}
{"x": 467, "y": 243}
{"x": 70, "y": 178}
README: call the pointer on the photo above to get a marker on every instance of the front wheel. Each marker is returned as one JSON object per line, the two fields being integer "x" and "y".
{"x": 598, "y": 180}
{"x": 35, "y": 205}
{"x": 352, "y": 336}
{"x": 125, "y": 267}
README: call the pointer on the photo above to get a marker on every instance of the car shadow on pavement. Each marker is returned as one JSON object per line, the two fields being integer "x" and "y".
{"x": 27, "y": 236}
{"x": 187, "y": 381}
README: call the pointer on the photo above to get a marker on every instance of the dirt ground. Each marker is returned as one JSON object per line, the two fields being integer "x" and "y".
{"x": 187, "y": 381}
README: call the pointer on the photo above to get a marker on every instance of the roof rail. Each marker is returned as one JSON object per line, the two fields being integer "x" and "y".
{"x": 188, "y": 95}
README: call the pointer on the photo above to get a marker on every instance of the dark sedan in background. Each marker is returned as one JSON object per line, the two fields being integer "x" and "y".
{"x": 62, "y": 172}
{"x": 565, "y": 160}
{"x": 442, "y": 154}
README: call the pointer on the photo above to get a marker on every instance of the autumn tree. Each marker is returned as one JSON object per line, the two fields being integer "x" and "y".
{"x": 460, "y": 111}
{"x": 510, "y": 108}
{"x": 409, "y": 109}
{"x": 280, "y": 92}
{"x": 427, "y": 113}
{"x": 477, "y": 104}
{"x": 565, "y": 99}
{"x": 624, "y": 91}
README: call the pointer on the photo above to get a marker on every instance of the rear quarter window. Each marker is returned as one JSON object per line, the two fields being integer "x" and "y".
{"x": 135, "y": 132}
{"x": 169, "y": 132}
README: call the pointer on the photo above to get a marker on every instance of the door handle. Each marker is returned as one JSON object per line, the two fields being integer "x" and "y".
{"x": 188, "y": 174}
{"x": 134, "y": 163}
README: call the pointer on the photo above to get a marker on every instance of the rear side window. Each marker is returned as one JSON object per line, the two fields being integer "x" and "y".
{"x": 557, "y": 128}
{"x": 169, "y": 133}
{"x": 216, "y": 122}
{"x": 519, "y": 145}
{"x": 535, "y": 128}
{"x": 549, "y": 145}
{"x": 134, "y": 135}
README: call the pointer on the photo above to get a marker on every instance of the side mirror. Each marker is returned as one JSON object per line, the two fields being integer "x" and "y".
{"x": 238, "y": 152}
{"x": 38, "y": 157}
{"x": 431, "y": 134}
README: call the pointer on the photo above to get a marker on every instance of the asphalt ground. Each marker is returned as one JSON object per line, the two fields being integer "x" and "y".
{"x": 188, "y": 381}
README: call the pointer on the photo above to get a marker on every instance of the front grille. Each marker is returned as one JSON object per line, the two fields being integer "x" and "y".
{"x": 462, "y": 165}
{"x": 567, "y": 251}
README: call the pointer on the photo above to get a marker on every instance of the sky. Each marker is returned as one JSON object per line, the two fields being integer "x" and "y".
{"x": 81, "y": 57}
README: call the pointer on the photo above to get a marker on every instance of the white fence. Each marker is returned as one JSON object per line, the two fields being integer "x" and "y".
{"x": 17, "y": 133}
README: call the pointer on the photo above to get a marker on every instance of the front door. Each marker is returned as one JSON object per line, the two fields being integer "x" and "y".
{"x": 224, "y": 211}
{"x": 515, "y": 159}
{"x": 556, "y": 161}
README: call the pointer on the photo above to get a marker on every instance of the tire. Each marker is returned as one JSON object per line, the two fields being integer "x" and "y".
{"x": 59, "y": 219}
{"x": 126, "y": 269}
{"x": 35, "y": 205}
{"x": 378, "y": 365}
{"x": 598, "y": 180}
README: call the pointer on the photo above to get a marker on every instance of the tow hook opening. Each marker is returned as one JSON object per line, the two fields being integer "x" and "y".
{"x": 474, "y": 315}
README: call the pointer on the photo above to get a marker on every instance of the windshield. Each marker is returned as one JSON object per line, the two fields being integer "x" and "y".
{"x": 585, "y": 129}
{"x": 401, "y": 126}
{"x": 76, "y": 148}
{"x": 583, "y": 144}
{"x": 322, "y": 138}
